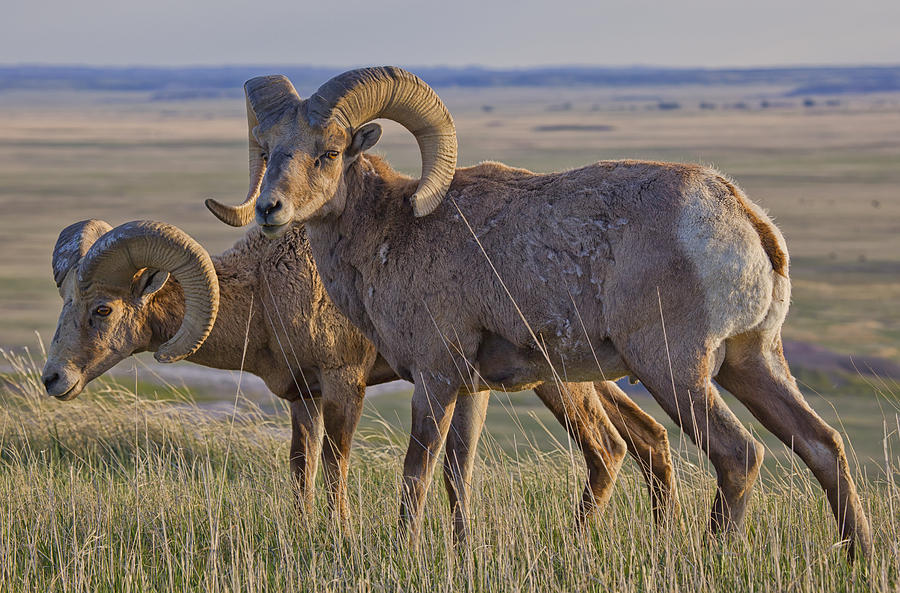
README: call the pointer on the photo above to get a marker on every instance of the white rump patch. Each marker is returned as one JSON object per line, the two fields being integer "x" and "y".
{"x": 730, "y": 263}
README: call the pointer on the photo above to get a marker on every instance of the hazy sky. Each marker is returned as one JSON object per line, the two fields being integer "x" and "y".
{"x": 454, "y": 32}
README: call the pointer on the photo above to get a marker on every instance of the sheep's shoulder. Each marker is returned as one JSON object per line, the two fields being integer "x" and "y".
{"x": 489, "y": 172}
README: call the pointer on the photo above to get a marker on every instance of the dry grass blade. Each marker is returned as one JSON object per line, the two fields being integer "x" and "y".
{"x": 87, "y": 507}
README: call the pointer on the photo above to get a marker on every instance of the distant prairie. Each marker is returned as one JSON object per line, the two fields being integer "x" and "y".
{"x": 573, "y": 128}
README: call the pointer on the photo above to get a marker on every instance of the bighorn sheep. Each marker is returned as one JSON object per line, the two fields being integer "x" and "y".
{"x": 118, "y": 301}
{"x": 490, "y": 275}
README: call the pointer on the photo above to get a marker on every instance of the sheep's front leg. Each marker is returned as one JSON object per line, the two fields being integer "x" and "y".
{"x": 460, "y": 454}
{"x": 342, "y": 402}
{"x": 306, "y": 442}
{"x": 433, "y": 401}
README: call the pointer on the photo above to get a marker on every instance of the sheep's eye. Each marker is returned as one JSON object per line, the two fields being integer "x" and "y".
{"x": 331, "y": 154}
{"x": 103, "y": 311}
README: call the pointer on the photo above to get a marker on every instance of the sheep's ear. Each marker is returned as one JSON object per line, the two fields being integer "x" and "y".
{"x": 363, "y": 139}
{"x": 147, "y": 282}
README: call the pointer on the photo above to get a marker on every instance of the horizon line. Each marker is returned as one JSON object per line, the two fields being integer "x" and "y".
{"x": 558, "y": 66}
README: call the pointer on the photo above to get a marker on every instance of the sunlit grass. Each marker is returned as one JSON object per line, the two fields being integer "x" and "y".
{"x": 115, "y": 492}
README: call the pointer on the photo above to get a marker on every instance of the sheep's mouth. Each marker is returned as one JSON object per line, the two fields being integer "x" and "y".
{"x": 70, "y": 393}
{"x": 274, "y": 230}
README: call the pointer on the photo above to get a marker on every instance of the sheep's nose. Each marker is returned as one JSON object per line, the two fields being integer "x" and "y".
{"x": 49, "y": 379}
{"x": 269, "y": 208}
{"x": 275, "y": 206}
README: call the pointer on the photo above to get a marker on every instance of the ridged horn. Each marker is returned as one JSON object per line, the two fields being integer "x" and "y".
{"x": 115, "y": 258}
{"x": 359, "y": 96}
{"x": 267, "y": 98}
{"x": 73, "y": 243}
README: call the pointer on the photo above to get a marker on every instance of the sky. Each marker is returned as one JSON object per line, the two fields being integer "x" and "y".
{"x": 704, "y": 33}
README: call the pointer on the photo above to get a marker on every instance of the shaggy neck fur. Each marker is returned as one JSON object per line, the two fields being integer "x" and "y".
{"x": 225, "y": 344}
{"x": 372, "y": 177}
{"x": 374, "y": 191}
{"x": 294, "y": 333}
{"x": 165, "y": 311}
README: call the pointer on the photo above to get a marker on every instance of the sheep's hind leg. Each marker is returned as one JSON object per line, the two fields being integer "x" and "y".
{"x": 757, "y": 374}
{"x": 577, "y": 407}
{"x": 342, "y": 402}
{"x": 648, "y": 442}
{"x": 459, "y": 457}
{"x": 688, "y": 396}
{"x": 433, "y": 401}
{"x": 306, "y": 443}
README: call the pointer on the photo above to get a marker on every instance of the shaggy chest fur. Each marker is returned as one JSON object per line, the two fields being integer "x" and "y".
{"x": 271, "y": 294}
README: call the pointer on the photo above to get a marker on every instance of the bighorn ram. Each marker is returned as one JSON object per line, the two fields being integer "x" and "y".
{"x": 490, "y": 275}
{"x": 119, "y": 300}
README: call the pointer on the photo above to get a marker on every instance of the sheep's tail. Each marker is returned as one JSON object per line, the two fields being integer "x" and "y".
{"x": 768, "y": 236}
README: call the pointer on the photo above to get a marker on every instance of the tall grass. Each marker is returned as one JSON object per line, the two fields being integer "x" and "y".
{"x": 114, "y": 492}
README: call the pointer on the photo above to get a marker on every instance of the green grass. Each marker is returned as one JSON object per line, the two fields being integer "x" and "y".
{"x": 116, "y": 492}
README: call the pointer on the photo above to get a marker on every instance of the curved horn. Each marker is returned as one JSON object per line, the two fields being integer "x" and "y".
{"x": 267, "y": 97}
{"x": 119, "y": 254}
{"x": 73, "y": 242}
{"x": 358, "y": 96}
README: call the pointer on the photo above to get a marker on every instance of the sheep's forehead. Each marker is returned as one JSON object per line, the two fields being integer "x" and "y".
{"x": 70, "y": 288}
{"x": 299, "y": 135}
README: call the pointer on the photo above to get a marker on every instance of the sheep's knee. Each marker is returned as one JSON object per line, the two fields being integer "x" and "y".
{"x": 736, "y": 476}
{"x": 608, "y": 452}
{"x": 616, "y": 448}
{"x": 743, "y": 466}
{"x": 660, "y": 461}
{"x": 604, "y": 460}
{"x": 827, "y": 447}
